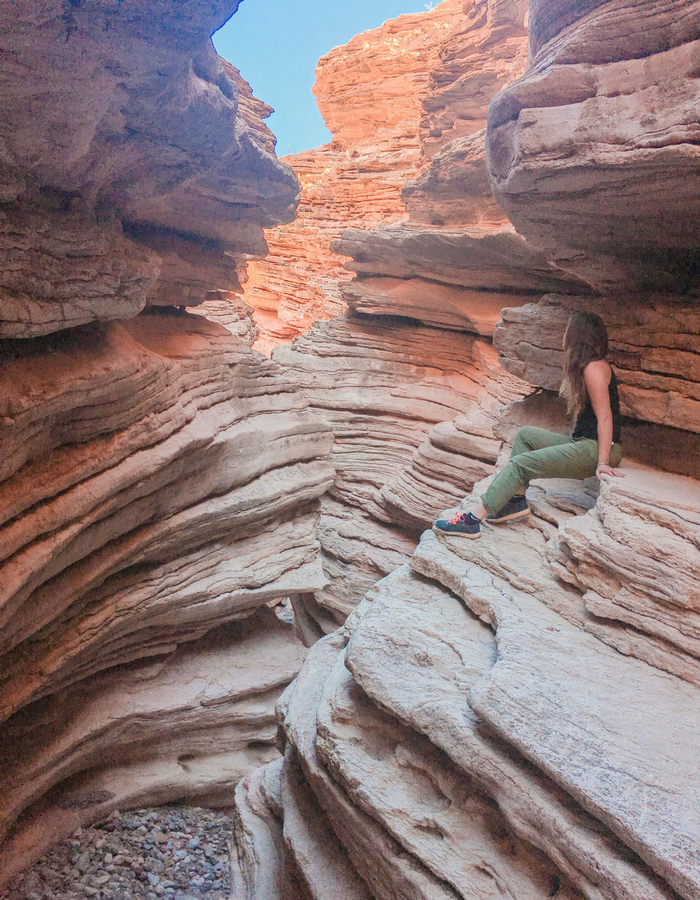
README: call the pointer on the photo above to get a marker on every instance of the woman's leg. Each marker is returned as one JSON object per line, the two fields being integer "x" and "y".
{"x": 529, "y": 438}
{"x": 562, "y": 458}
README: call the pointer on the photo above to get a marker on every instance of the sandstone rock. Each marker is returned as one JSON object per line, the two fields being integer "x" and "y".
{"x": 117, "y": 117}
{"x": 454, "y": 189}
{"x": 439, "y": 305}
{"x": 356, "y": 551}
{"x": 220, "y": 688}
{"x": 369, "y": 92}
{"x": 259, "y": 865}
{"x": 63, "y": 541}
{"x": 597, "y": 681}
{"x": 62, "y": 270}
{"x": 387, "y": 869}
{"x": 417, "y": 654}
{"x": 592, "y": 154}
{"x": 495, "y": 260}
{"x": 230, "y": 310}
{"x": 432, "y": 76}
{"x": 138, "y": 513}
{"x": 384, "y": 387}
{"x": 636, "y": 560}
{"x": 423, "y": 800}
{"x": 322, "y": 860}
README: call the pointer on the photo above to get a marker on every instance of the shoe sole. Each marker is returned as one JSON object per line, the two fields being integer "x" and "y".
{"x": 515, "y": 515}
{"x": 470, "y": 537}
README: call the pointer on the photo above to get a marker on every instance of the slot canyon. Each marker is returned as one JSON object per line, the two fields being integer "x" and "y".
{"x": 235, "y": 393}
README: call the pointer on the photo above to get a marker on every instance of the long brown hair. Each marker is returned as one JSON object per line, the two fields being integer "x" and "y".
{"x": 585, "y": 340}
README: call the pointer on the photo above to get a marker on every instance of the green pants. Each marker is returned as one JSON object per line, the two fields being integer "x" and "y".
{"x": 543, "y": 454}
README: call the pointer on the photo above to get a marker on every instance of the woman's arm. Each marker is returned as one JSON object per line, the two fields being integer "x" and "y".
{"x": 597, "y": 377}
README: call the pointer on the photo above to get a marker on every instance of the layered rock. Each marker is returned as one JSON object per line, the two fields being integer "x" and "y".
{"x": 466, "y": 722}
{"x": 655, "y": 348}
{"x": 128, "y": 151}
{"x": 515, "y": 715}
{"x": 409, "y": 379}
{"x": 593, "y": 152}
{"x": 159, "y": 480}
{"x": 413, "y": 411}
{"x": 370, "y": 93}
{"x": 139, "y": 513}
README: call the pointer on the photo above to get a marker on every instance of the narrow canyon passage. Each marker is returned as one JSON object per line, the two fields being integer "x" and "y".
{"x": 236, "y": 392}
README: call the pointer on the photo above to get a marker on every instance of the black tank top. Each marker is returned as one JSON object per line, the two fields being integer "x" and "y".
{"x": 587, "y": 424}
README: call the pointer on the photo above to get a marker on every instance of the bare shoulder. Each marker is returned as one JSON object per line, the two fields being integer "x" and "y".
{"x": 597, "y": 372}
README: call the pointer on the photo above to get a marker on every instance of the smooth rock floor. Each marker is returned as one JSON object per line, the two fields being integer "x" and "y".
{"x": 177, "y": 853}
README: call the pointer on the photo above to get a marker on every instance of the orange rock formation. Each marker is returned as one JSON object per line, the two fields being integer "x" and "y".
{"x": 370, "y": 93}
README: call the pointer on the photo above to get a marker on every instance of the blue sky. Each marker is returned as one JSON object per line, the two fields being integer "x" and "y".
{"x": 277, "y": 43}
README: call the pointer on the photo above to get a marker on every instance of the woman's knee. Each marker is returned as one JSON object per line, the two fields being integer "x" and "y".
{"x": 523, "y": 439}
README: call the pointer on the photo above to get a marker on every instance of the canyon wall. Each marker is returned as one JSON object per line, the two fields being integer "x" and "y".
{"x": 143, "y": 533}
{"x": 409, "y": 379}
{"x": 369, "y": 93}
{"x": 514, "y": 716}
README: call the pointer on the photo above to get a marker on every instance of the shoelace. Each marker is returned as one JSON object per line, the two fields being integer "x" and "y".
{"x": 460, "y": 517}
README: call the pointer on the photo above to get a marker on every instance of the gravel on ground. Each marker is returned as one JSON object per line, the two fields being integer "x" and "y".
{"x": 168, "y": 853}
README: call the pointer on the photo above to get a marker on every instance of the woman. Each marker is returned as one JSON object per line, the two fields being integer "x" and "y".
{"x": 590, "y": 389}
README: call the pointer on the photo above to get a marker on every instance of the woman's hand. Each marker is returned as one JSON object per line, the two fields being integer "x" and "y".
{"x": 604, "y": 469}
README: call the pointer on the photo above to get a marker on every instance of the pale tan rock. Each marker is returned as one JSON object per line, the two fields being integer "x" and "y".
{"x": 356, "y": 551}
{"x": 383, "y": 387}
{"x": 399, "y": 778}
{"x": 390, "y": 872}
{"x": 592, "y": 153}
{"x": 323, "y": 861}
{"x": 637, "y": 560}
{"x": 615, "y": 765}
{"x": 146, "y": 734}
{"x": 417, "y": 653}
{"x": 592, "y": 684}
{"x": 151, "y": 610}
{"x": 230, "y": 310}
{"x": 222, "y": 688}
{"x": 440, "y": 305}
{"x": 468, "y": 257}
{"x": 258, "y": 858}
{"x": 454, "y": 189}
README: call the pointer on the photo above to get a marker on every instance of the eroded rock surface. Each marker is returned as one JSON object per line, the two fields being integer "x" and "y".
{"x": 467, "y": 718}
{"x": 593, "y": 153}
{"x": 159, "y": 480}
{"x": 124, "y": 542}
{"x": 393, "y": 98}
{"x": 113, "y": 124}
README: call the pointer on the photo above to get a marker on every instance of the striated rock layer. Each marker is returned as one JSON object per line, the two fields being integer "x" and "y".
{"x": 514, "y": 716}
{"x": 125, "y": 539}
{"x": 159, "y": 480}
{"x": 461, "y": 736}
{"x": 409, "y": 379}
{"x": 413, "y": 411}
{"x": 372, "y": 93}
{"x": 135, "y": 166}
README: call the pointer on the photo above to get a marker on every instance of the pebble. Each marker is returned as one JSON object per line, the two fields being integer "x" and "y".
{"x": 170, "y": 853}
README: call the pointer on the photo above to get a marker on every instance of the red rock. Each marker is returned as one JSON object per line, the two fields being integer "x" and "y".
{"x": 370, "y": 93}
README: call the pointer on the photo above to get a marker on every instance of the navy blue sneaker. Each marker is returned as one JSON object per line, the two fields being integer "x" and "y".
{"x": 515, "y": 508}
{"x": 463, "y": 525}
